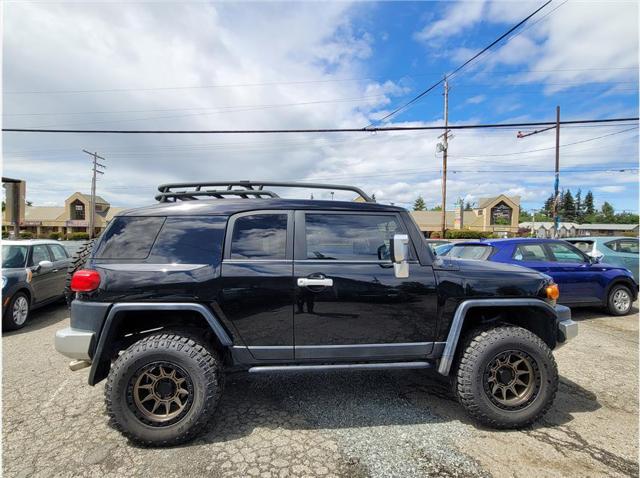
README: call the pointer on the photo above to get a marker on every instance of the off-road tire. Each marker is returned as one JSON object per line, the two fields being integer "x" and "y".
{"x": 205, "y": 373}
{"x": 479, "y": 350}
{"x": 78, "y": 261}
{"x": 8, "y": 322}
{"x": 611, "y": 297}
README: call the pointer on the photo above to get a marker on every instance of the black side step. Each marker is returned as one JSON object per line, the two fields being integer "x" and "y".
{"x": 346, "y": 366}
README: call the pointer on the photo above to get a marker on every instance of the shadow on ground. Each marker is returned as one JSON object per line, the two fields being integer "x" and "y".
{"x": 42, "y": 318}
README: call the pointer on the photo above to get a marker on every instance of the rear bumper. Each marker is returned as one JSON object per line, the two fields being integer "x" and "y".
{"x": 76, "y": 344}
{"x": 567, "y": 328}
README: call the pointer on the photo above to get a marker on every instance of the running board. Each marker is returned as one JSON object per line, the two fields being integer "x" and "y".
{"x": 346, "y": 366}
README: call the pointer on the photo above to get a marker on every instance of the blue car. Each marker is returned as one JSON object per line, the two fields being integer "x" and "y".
{"x": 583, "y": 281}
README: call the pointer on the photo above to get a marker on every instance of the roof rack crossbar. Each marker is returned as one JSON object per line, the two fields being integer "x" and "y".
{"x": 243, "y": 189}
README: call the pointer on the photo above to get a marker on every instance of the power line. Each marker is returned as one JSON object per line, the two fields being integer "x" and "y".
{"x": 432, "y": 87}
{"x": 316, "y": 130}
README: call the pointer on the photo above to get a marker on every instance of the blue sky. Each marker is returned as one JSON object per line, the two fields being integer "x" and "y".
{"x": 195, "y": 65}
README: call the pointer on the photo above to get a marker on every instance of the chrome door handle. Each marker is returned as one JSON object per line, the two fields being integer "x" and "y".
{"x": 305, "y": 282}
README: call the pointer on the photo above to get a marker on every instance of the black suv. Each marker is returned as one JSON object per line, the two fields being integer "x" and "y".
{"x": 174, "y": 296}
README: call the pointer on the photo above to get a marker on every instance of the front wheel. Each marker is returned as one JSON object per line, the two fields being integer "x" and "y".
{"x": 163, "y": 390}
{"x": 17, "y": 312}
{"x": 506, "y": 377}
{"x": 619, "y": 300}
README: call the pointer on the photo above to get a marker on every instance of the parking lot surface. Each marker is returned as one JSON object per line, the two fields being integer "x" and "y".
{"x": 354, "y": 424}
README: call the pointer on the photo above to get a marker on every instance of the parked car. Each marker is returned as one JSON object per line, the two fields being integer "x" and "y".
{"x": 583, "y": 280}
{"x": 442, "y": 249}
{"x": 175, "y": 295}
{"x": 618, "y": 251}
{"x": 33, "y": 275}
{"x": 433, "y": 243}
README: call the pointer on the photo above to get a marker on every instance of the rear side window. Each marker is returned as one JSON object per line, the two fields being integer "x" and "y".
{"x": 629, "y": 246}
{"x": 259, "y": 236}
{"x": 129, "y": 237}
{"x": 530, "y": 253}
{"x": 59, "y": 254}
{"x": 350, "y": 236}
{"x": 474, "y": 252}
{"x": 189, "y": 240}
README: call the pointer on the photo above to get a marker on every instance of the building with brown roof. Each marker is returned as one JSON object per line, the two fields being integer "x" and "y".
{"x": 72, "y": 217}
{"x": 498, "y": 214}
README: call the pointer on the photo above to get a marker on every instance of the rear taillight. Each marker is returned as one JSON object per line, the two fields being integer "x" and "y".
{"x": 85, "y": 280}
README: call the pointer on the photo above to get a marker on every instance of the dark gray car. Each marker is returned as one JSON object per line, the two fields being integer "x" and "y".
{"x": 33, "y": 274}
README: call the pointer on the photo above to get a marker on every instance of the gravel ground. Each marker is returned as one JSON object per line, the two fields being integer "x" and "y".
{"x": 354, "y": 424}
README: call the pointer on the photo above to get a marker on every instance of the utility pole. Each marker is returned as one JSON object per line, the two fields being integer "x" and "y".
{"x": 95, "y": 170}
{"x": 556, "y": 184}
{"x": 445, "y": 148}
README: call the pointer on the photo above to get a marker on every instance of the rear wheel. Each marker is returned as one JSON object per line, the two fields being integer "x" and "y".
{"x": 17, "y": 312}
{"x": 77, "y": 262}
{"x": 619, "y": 300}
{"x": 506, "y": 377}
{"x": 163, "y": 390}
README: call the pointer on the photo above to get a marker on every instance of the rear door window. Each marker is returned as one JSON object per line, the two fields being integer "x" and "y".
{"x": 129, "y": 237}
{"x": 584, "y": 246}
{"x": 530, "y": 253}
{"x": 629, "y": 246}
{"x": 565, "y": 253}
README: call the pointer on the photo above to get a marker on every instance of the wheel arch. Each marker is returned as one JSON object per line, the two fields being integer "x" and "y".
{"x": 621, "y": 280}
{"x": 534, "y": 315}
{"x": 128, "y": 322}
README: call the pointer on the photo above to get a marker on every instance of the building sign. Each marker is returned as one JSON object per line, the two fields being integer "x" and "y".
{"x": 31, "y": 223}
{"x": 501, "y": 214}
{"x": 76, "y": 223}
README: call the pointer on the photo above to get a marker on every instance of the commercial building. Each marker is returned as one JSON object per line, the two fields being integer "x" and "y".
{"x": 497, "y": 215}
{"x": 72, "y": 217}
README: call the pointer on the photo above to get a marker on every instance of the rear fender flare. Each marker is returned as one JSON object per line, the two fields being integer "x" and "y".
{"x": 101, "y": 363}
{"x": 451, "y": 345}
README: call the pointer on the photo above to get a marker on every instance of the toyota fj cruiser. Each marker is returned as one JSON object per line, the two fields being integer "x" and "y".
{"x": 174, "y": 296}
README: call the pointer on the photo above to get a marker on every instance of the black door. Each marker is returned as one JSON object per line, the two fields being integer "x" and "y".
{"x": 257, "y": 284}
{"x": 349, "y": 304}
{"x": 61, "y": 262}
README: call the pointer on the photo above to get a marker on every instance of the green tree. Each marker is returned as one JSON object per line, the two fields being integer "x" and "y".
{"x": 579, "y": 206}
{"x": 419, "y": 204}
{"x": 468, "y": 206}
{"x": 607, "y": 211}
{"x": 437, "y": 207}
{"x": 567, "y": 206}
{"x": 589, "y": 208}
{"x": 548, "y": 206}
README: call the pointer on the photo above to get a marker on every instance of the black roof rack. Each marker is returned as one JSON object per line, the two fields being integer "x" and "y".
{"x": 241, "y": 189}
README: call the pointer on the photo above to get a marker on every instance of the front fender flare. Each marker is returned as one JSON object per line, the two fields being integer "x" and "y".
{"x": 101, "y": 364}
{"x": 460, "y": 314}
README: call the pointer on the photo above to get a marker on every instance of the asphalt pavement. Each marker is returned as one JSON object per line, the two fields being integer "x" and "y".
{"x": 348, "y": 424}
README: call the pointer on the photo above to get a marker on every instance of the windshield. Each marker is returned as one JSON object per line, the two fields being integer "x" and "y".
{"x": 475, "y": 252}
{"x": 14, "y": 257}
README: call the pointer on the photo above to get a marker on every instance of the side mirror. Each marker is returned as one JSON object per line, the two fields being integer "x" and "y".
{"x": 44, "y": 265}
{"x": 595, "y": 259}
{"x": 399, "y": 255}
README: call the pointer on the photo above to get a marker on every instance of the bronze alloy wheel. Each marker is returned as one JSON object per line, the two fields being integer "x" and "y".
{"x": 512, "y": 380}
{"x": 161, "y": 393}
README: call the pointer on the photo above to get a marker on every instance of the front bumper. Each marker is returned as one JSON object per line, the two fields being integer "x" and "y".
{"x": 75, "y": 343}
{"x": 567, "y": 328}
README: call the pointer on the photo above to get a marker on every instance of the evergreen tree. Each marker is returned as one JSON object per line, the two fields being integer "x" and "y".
{"x": 579, "y": 206}
{"x": 419, "y": 204}
{"x": 548, "y": 206}
{"x": 589, "y": 209}
{"x": 468, "y": 206}
{"x": 567, "y": 206}
{"x": 608, "y": 211}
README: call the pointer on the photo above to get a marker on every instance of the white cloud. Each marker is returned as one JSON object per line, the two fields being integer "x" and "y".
{"x": 475, "y": 100}
{"x": 459, "y": 16}
{"x": 611, "y": 189}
